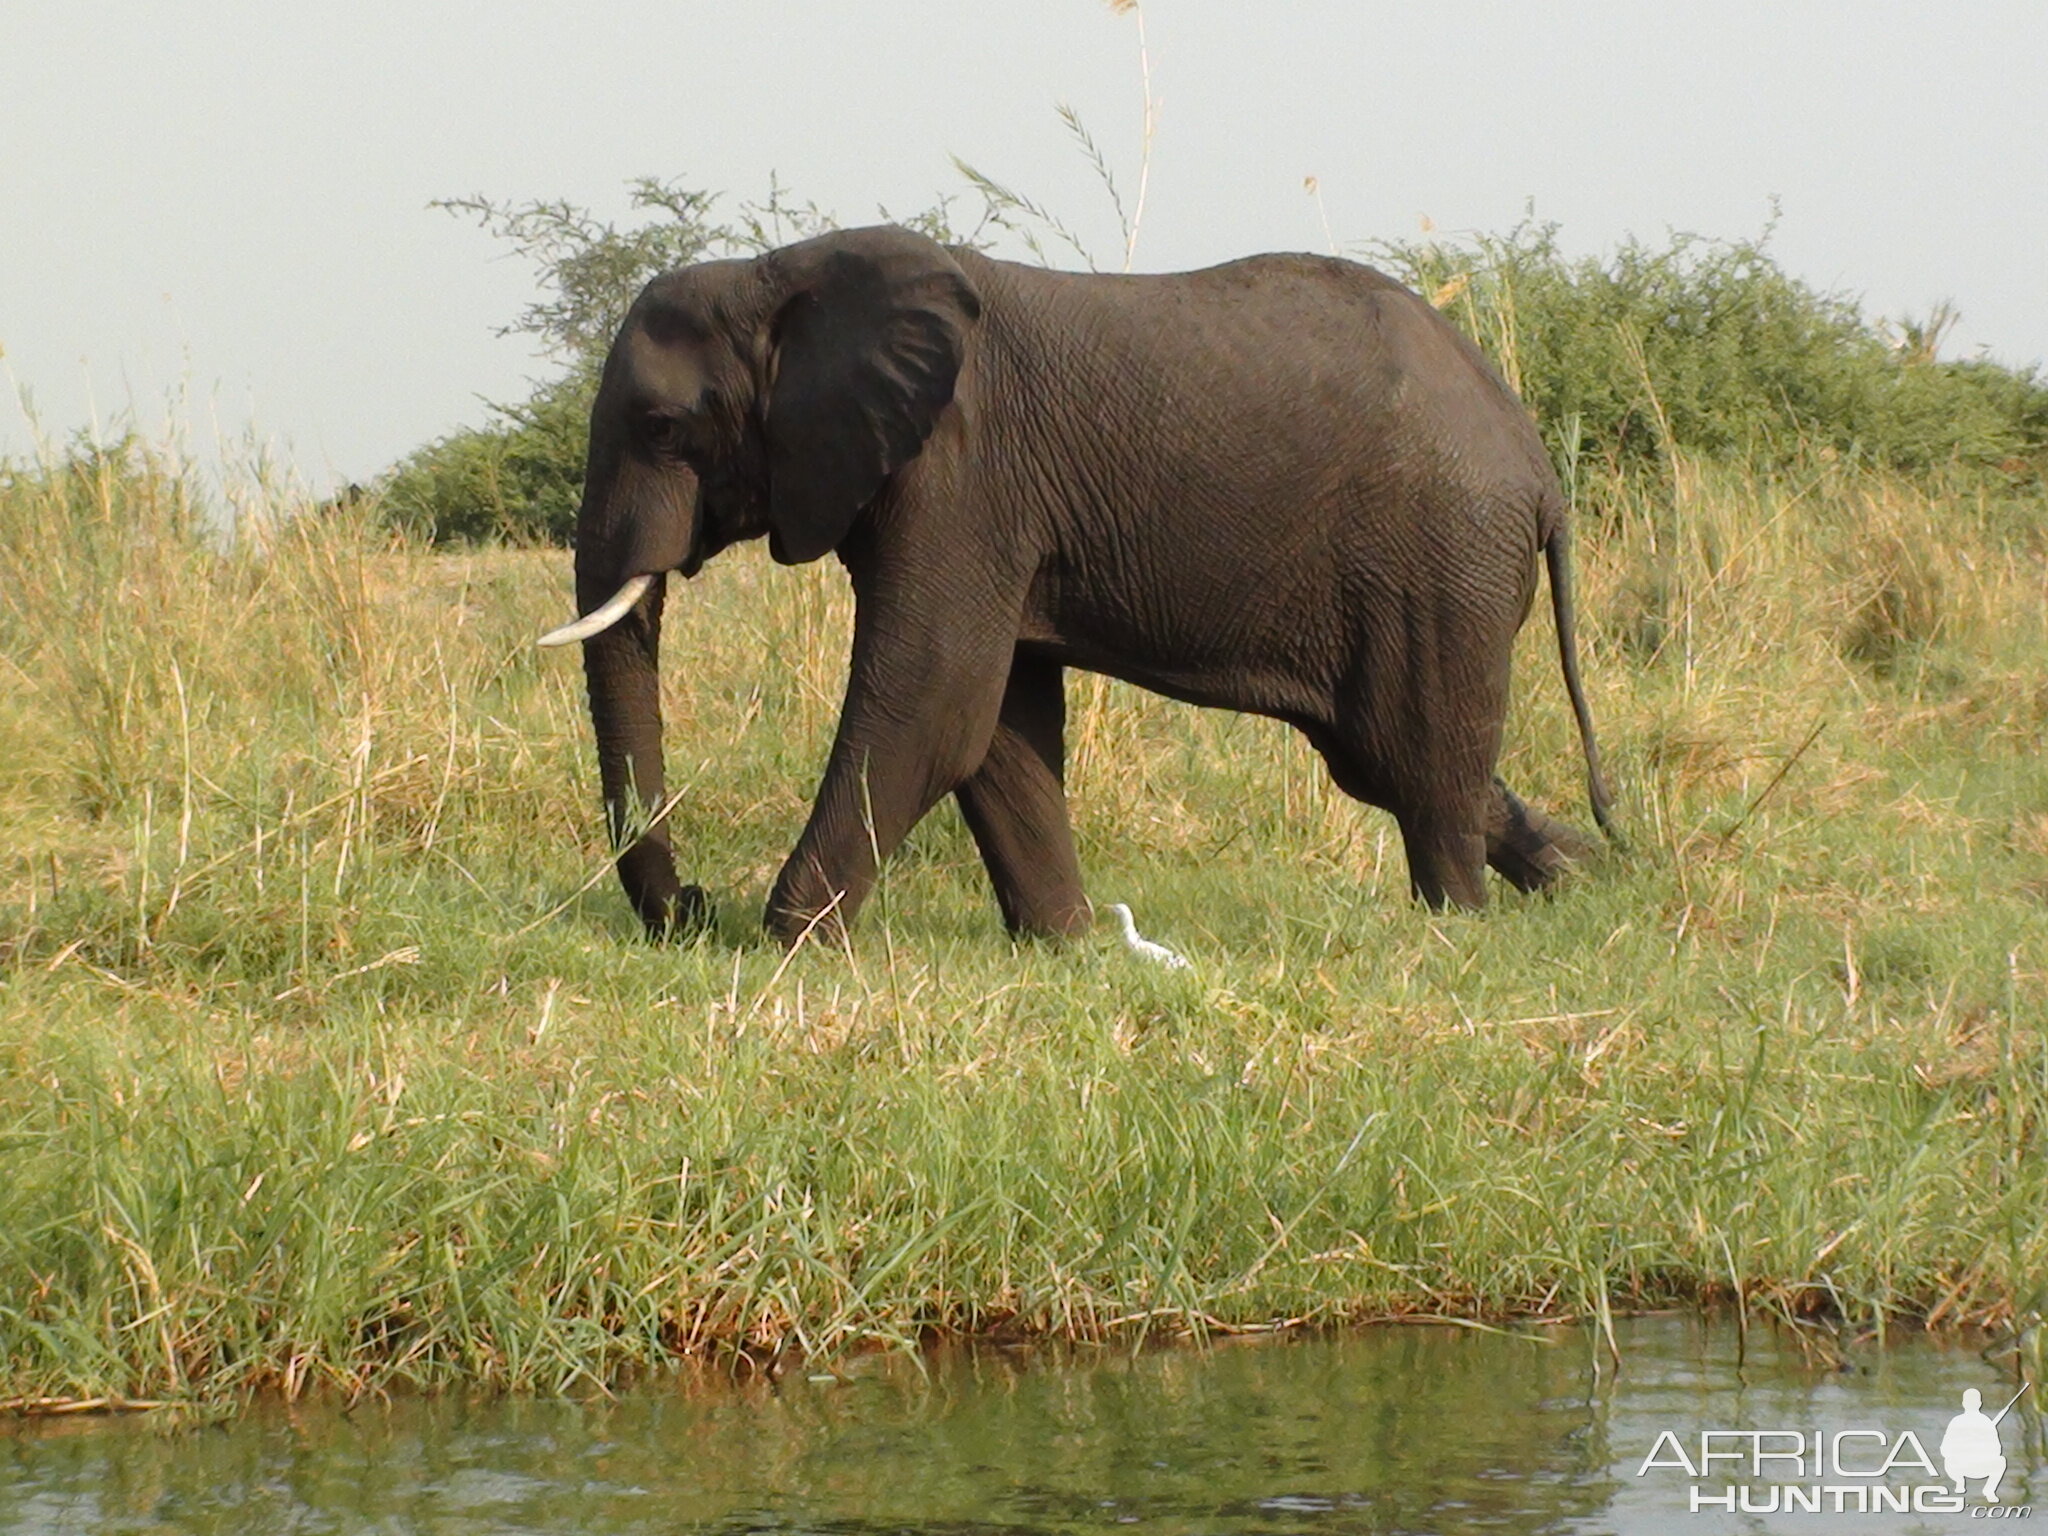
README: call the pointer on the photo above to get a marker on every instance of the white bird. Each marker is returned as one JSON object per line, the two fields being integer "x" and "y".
{"x": 1159, "y": 954}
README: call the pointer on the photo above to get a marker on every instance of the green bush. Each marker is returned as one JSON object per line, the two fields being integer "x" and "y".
{"x": 515, "y": 480}
{"x": 1710, "y": 348}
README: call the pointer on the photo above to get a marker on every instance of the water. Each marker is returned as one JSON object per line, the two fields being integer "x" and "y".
{"x": 1423, "y": 1429}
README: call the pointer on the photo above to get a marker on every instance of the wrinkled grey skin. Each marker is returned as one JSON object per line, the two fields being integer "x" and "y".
{"x": 1283, "y": 485}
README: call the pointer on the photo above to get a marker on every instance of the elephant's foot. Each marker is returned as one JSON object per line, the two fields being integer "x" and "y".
{"x": 808, "y": 905}
{"x": 791, "y": 925}
{"x": 667, "y": 908}
{"x": 1446, "y": 864}
{"x": 1063, "y": 919}
{"x": 1529, "y": 848}
{"x": 688, "y": 913}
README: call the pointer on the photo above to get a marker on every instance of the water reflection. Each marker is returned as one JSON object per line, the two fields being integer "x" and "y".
{"x": 1397, "y": 1429}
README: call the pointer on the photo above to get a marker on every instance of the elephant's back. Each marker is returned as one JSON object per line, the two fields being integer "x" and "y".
{"x": 1316, "y": 312}
{"x": 1284, "y": 327}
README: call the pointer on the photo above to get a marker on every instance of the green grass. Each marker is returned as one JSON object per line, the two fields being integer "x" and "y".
{"x": 330, "y": 1056}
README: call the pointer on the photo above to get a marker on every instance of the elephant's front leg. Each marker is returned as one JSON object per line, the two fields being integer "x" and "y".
{"x": 1015, "y": 804}
{"x": 922, "y": 698}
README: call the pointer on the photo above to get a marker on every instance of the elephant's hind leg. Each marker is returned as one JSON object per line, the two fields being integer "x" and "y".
{"x": 1529, "y": 848}
{"x": 1418, "y": 732}
{"x": 1440, "y": 829}
{"x": 1446, "y": 855}
{"x": 1015, "y": 804}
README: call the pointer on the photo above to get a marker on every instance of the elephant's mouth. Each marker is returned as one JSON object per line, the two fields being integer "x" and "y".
{"x": 604, "y": 616}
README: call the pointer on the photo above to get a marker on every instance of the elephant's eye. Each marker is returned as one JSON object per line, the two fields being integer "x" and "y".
{"x": 664, "y": 434}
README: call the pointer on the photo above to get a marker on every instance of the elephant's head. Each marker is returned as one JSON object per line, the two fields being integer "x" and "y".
{"x": 775, "y": 396}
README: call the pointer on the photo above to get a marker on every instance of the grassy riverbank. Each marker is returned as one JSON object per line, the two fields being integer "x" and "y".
{"x": 329, "y": 1054}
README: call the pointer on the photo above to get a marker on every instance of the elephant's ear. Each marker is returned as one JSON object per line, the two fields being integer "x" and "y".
{"x": 865, "y": 350}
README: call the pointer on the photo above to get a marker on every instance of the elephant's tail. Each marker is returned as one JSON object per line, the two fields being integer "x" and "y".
{"x": 1557, "y": 556}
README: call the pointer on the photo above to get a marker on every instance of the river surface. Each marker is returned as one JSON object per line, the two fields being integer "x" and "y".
{"x": 1394, "y": 1429}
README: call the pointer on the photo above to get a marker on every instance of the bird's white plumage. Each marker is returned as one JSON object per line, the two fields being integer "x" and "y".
{"x": 1138, "y": 944}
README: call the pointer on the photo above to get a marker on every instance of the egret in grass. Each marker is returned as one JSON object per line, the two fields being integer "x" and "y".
{"x": 1138, "y": 944}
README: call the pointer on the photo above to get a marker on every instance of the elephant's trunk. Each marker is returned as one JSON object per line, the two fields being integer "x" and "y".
{"x": 621, "y": 667}
{"x": 636, "y": 524}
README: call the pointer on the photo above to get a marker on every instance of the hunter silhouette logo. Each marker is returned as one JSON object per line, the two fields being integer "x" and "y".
{"x": 1970, "y": 1447}
{"x": 1865, "y": 1470}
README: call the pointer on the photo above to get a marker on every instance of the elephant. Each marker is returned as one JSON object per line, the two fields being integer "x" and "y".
{"x": 1283, "y": 485}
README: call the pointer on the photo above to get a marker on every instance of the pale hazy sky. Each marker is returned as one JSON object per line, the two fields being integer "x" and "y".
{"x": 228, "y": 201}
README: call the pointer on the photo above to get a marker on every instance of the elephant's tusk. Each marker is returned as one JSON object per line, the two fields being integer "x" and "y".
{"x": 598, "y": 620}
